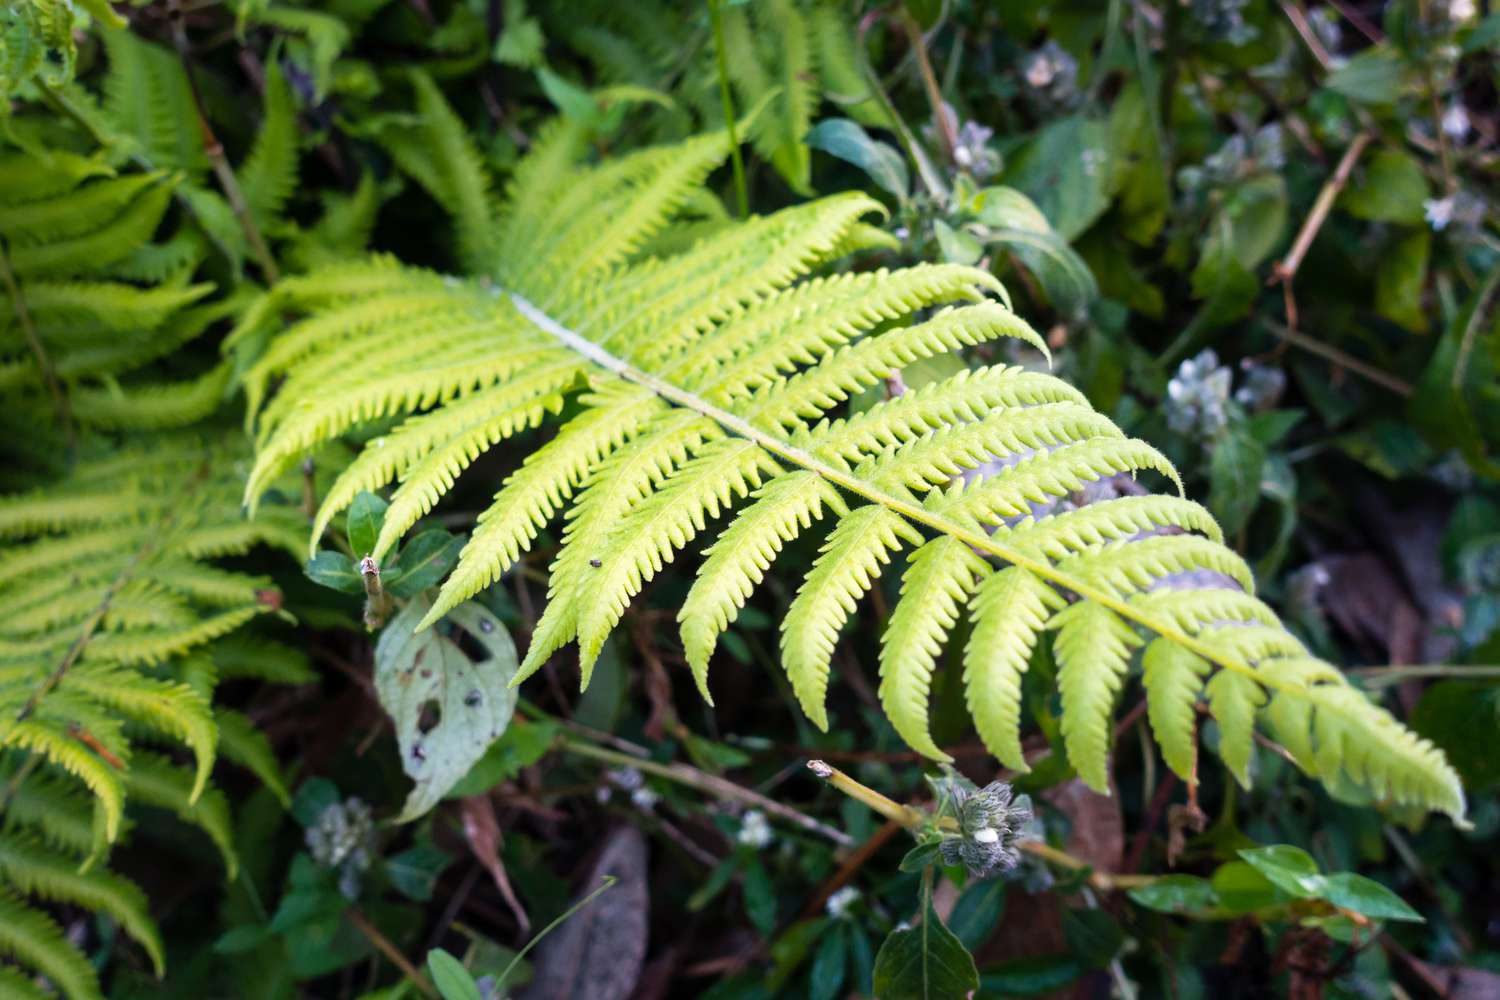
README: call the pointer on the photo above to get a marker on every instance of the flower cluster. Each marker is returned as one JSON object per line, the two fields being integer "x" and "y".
{"x": 1224, "y": 20}
{"x": 1051, "y": 76}
{"x": 1197, "y": 394}
{"x": 343, "y": 838}
{"x": 989, "y": 820}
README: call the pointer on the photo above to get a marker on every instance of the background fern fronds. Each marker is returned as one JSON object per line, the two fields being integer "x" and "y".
{"x": 715, "y": 379}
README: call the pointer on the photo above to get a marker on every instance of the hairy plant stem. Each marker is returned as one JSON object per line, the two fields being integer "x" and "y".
{"x": 390, "y": 951}
{"x": 975, "y": 537}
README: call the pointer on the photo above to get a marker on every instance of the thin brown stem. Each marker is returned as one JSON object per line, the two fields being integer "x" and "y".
{"x": 390, "y": 951}
{"x": 941, "y": 123}
{"x": 1285, "y": 270}
{"x": 685, "y": 774}
{"x": 43, "y": 362}
{"x": 1383, "y": 379}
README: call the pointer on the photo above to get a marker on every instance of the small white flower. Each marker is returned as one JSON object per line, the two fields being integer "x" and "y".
{"x": 838, "y": 904}
{"x": 755, "y": 831}
{"x": 1456, "y": 121}
{"x": 644, "y": 798}
{"x": 987, "y": 835}
{"x": 1439, "y": 211}
{"x": 626, "y": 779}
{"x": 1461, "y": 10}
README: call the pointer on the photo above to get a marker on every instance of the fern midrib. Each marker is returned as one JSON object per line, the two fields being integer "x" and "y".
{"x": 860, "y": 487}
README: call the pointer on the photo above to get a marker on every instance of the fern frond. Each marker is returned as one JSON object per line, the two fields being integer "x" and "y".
{"x": 269, "y": 174}
{"x": 154, "y": 781}
{"x": 1010, "y": 609}
{"x": 34, "y": 940}
{"x": 27, "y": 866}
{"x": 722, "y": 370}
{"x": 1093, "y": 649}
{"x": 938, "y": 582}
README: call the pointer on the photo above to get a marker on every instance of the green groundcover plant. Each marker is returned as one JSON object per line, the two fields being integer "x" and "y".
{"x": 852, "y": 386}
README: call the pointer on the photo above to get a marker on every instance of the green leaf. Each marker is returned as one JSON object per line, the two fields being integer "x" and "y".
{"x": 1234, "y": 479}
{"x": 414, "y": 872}
{"x": 521, "y": 44}
{"x": 851, "y": 143}
{"x": 1030, "y": 976}
{"x": 1463, "y": 718}
{"x": 1065, "y": 168}
{"x": 312, "y": 799}
{"x": 830, "y": 966}
{"x": 452, "y": 980}
{"x": 1389, "y": 188}
{"x": 1374, "y": 76}
{"x": 336, "y": 570}
{"x": 958, "y": 246}
{"x": 1367, "y": 897}
{"x": 920, "y": 857}
{"x": 760, "y": 897}
{"x": 238, "y": 940}
{"x": 977, "y": 912}
{"x": 925, "y": 962}
{"x": 1290, "y": 869}
{"x": 424, "y": 562}
{"x": 522, "y": 744}
{"x": 1401, "y": 277}
{"x": 366, "y": 515}
{"x": 1176, "y": 894}
{"x": 1243, "y": 889}
{"x": 447, "y": 707}
{"x": 1093, "y": 935}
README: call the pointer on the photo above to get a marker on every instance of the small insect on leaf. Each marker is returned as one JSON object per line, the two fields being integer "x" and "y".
{"x": 89, "y": 740}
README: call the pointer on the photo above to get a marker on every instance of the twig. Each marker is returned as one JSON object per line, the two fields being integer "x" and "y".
{"x": 685, "y": 774}
{"x": 1471, "y": 327}
{"x": 390, "y": 951}
{"x": 742, "y": 196}
{"x": 941, "y": 125}
{"x": 223, "y": 172}
{"x": 1383, "y": 379}
{"x": 1359, "y": 21}
{"x": 931, "y": 180}
{"x": 43, "y": 362}
{"x": 1285, "y": 269}
{"x": 1298, "y": 17}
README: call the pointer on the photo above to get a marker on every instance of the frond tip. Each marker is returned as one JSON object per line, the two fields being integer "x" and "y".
{"x": 713, "y": 383}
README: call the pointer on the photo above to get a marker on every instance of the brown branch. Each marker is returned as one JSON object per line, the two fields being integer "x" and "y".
{"x": 941, "y": 125}
{"x": 390, "y": 951}
{"x": 1383, "y": 379}
{"x": 1285, "y": 270}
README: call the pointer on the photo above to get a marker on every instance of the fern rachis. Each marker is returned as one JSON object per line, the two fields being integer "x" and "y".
{"x": 717, "y": 373}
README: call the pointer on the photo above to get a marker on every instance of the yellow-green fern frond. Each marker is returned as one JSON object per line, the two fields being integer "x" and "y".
{"x": 34, "y": 940}
{"x": 712, "y": 382}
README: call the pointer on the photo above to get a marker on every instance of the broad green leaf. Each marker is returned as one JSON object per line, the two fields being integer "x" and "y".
{"x": 1234, "y": 479}
{"x": 1367, "y": 897}
{"x": 1030, "y": 976}
{"x": 1374, "y": 76}
{"x": 424, "y": 562}
{"x": 1093, "y": 935}
{"x": 447, "y": 708}
{"x": 977, "y": 912}
{"x": 414, "y": 872}
{"x": 830, "y": 966}
{"x": 452, "y": 980}
{"x": 958, "y": 246}
{"x": 1463, "y": 718}
{"x": 1243, "y": 889}
{"x": 1290, "y": 869}
{"x": 920, "y": 857}
{"x": 522, "y": 744}
{"x": 366, "y": 515}
{"x": 1390, "y": 187}
{"x": 1176, "y": 894}
{"x": 334, "y": 569}
{"x": 851, "y": 143}
{"x": 925, "y": 962}
{"x": 1066, "y": 169}
{"x": 1401, "y": 277}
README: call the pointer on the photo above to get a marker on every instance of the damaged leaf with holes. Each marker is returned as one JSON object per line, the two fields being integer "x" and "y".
{"x": 448, "y": 691}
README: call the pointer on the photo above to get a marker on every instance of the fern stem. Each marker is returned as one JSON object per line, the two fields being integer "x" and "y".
{"x": 976, "y": 538}
{"x": 930, "y": 178}
{"x": 941, "y": 125}
{"x": 43, "y": 362}
{"x": 742, "y": 195}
